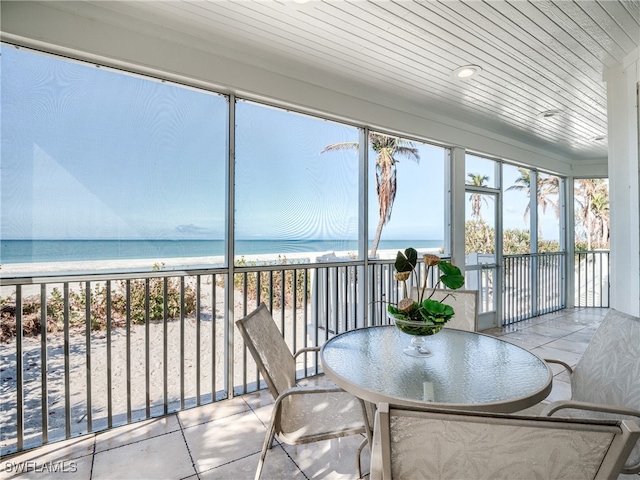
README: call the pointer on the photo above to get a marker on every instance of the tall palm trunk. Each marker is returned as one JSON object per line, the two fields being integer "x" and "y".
{"x": 589, "y": 226}
{"x": 376, "y": 239}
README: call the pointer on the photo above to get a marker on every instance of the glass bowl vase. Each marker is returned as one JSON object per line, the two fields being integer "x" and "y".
{"x": 418, "y": 331}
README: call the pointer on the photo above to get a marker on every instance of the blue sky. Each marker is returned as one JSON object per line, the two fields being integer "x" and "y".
{"x": 89, "y": 153}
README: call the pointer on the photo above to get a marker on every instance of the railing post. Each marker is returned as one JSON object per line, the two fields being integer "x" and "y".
{"x": 44, "y": 405}
{"x": 19, "y": 371}
{"x": 67, "y": 364}
{"x": 89, "y": 374}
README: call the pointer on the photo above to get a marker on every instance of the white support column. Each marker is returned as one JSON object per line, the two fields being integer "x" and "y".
{"x": 457, "y": 207}
{"x": 624, "y": 174}
{"x": 568, "y": 240}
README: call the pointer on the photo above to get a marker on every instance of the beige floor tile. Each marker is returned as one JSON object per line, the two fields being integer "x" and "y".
{"x": 225, "y": 440}
{"x": 570, "y": 343}
{"x": 136, "y": 432}
{"x": 78, "y": 469}
{"x": 525, "y": 340}
{"x": 519, "y": 342}
{"x": 53, "y": 453}
{"x": 264, "y": 414}
{"x": 570, "y": 358}
{"x": 562, "y": 325}
{"x": 561, "y": 391}
{"x": 258, "y": 399}
{"x": 212, "y": 411}
{"x": 164, "y": 457}
{"x": 583, "y": 336}
{"x": 330, "y": 459}
{"x": 547, "y": 329}
{"x": 277, "y": 466}
{"x": 495, "y": 332}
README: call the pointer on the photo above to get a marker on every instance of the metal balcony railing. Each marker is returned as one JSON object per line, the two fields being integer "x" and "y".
{"x": 533, "y": 284}
{"x": 125, "y": 347}
{"x": 592, "y": 278}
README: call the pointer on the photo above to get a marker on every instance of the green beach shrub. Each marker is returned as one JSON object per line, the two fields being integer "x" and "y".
{"x": 479, "y": 237}
{"x": 98, "y": 306}
{"x": 271, "y": 287}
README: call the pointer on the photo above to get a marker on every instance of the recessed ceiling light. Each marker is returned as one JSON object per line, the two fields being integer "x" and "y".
{"x": 550, "y": 113}
{"x": 467, "y": 71}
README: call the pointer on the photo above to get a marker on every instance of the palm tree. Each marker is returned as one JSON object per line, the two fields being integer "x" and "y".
{"x": 600, "y": 206}
{"x": 477, "y": 199}
{"x": 548, "y": 186}
{"x": 388, "y": 150}
{"x": 592, "y": 196}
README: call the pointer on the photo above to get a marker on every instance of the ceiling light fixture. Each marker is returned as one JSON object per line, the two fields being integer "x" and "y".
{"x": 599, "y": 138}
{"x": 550, "y": 113}
{"x": 467, "y": 71}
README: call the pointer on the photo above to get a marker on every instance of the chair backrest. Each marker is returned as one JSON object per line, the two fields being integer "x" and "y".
{"x": 463, "y": 302}
{"x": 412, "y": 443}
{"x": 269, "y": 350}
{"x": 608, "y": 372}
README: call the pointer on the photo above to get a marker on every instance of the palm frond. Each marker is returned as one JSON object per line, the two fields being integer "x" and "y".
{"x": 341, "y": 146}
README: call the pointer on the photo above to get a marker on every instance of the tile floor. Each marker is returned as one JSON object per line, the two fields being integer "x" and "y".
{"x": 223, "y": 440}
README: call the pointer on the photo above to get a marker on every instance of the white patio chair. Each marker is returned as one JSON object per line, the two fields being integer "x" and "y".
{"x": 463, "y": 302}
{"x": 301, "y": 414}
{"x": 419, "y": 443}
{"x": 606, "y": 381}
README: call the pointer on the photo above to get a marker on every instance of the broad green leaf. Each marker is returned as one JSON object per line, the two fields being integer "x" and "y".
{"x": 406, "y": 261}
{"x": 434, "y": 307}
{"x": 451, "y": 275}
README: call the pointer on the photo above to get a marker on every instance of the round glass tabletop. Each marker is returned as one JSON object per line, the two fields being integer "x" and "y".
{"x": 467, "y": 370}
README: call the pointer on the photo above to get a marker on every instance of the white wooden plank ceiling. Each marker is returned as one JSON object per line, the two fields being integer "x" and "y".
{"x": 535, "y": 56}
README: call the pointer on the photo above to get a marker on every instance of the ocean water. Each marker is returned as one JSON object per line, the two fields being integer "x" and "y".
{"x": 38, "y": 251}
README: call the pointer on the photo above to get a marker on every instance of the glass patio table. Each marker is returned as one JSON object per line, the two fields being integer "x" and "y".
{"x": 467, "y": 370}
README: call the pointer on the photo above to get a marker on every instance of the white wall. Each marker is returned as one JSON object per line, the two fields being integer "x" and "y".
{"x": 119, "y": 42}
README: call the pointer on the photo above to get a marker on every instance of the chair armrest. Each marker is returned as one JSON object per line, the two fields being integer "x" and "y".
{"x": 306, "y": 350}
{"x": 560, "y": 362}
{"x": 554, "y": 407}
{"x": 303, "y": 390}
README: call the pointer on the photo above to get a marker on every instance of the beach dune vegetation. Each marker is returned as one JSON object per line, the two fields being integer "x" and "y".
{"x": 177, "y": 305}
{"x": 275, "y": 288}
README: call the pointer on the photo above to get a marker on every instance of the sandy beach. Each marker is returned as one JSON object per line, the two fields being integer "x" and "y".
{"x": 178, "y": 263}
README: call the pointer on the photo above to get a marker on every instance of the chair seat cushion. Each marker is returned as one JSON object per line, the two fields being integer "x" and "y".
{"x": 312, "y": 417}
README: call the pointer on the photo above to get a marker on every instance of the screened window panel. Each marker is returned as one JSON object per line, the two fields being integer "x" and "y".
{"x": 296, "y": 192}
{"x": 100, "y": 165}
{"x": 415, "y": 216}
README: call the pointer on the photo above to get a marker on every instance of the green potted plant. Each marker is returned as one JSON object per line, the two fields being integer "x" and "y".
{"x": 423, "y": 316}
